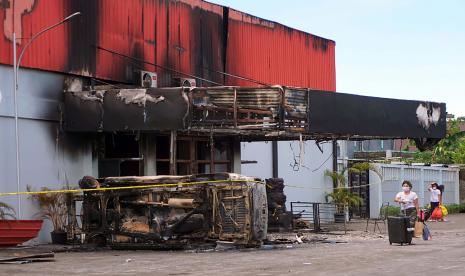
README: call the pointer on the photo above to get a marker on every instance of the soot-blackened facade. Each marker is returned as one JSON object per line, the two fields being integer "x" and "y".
{"x": 170, "y": 37}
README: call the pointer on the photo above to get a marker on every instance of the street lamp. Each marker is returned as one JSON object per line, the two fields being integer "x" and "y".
{"x": 16, "y": 63}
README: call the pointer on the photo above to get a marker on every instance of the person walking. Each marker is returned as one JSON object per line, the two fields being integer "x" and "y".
{"x": 435, "y": 197}
{"x": 408, "y": 201}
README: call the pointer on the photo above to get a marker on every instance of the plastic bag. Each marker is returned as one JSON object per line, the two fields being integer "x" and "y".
{"x": 443, "y": 210}
{"x": 426, "y": 234}
{"x": 418, "y": 229}
{"x": 437, "y": 213}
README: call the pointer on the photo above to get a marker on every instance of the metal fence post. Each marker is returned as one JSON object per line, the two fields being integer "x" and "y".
{"x": 316, "y": 217}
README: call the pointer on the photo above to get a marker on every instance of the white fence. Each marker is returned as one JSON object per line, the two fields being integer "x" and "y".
{"x": 384, "y": 190}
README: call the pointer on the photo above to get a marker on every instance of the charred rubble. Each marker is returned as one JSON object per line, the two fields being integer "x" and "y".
{"x": 279, "y": 219}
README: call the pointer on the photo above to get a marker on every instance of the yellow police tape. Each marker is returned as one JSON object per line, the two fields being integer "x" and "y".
{"x": 154, "y": 186}
{"x": 125, "y": 187}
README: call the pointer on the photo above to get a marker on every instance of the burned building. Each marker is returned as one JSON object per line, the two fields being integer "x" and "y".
{"x": 123, "y": 113}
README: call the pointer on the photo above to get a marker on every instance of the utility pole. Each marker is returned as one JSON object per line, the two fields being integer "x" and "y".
{"x": 16, "y": 64}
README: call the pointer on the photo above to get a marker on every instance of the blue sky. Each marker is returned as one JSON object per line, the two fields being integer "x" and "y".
{"x": 409, "y": 49}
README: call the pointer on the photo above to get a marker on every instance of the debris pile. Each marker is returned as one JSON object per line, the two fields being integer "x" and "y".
{"x": 279, "y": 220}
{"x": 30, "y": 258}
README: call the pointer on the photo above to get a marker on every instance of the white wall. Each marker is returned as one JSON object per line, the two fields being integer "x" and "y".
{"x": 48, "y": 156}
{"x": 420, "y": 176}
{"x": 260, "y": 152}
{"x": 313, "y": 185}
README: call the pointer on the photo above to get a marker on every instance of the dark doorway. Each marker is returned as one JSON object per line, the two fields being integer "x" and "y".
{"x": 120, "y": 155}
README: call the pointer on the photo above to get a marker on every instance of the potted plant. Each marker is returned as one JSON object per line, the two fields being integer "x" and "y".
{"x": 13, "y": 231}
{"x": 341, "y": 195}
{"x": 54, "y": 208}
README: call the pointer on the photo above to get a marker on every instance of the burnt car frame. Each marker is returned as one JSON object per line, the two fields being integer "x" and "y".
{"x": 176, "y": 211}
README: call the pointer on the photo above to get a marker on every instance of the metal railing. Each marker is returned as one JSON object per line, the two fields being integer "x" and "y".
{"x": 314, "y": 213}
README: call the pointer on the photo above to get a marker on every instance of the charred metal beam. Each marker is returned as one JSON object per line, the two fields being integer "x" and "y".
{"x": 274, "y": 156}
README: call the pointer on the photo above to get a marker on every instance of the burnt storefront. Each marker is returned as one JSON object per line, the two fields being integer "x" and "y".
{"x": 131, "y": 154}
{"x": 181, "y": 131}
{"x": 193, "y": 135}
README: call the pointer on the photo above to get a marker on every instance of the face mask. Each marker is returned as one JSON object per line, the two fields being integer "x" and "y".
{"x": 434, "y": 188}
{"x": 406, "y": 189}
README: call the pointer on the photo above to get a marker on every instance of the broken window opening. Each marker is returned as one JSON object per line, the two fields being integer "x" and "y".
{"x": 120, "y": 155}
{"x": 194, "y": 155}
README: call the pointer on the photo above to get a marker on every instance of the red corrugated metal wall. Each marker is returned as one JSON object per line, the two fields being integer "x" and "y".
{"x": 194, "y": 37}
{"x": 274, "y": 53}
{"x": 27, "y": 17}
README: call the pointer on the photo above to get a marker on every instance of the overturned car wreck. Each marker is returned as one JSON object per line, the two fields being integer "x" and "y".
{"x": 176, "y": 211}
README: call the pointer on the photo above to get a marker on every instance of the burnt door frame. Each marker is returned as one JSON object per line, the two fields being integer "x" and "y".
{"x": 361, "y": 182}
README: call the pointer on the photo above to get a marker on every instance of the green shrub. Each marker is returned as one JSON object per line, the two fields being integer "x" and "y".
{"x": 391, "y": 210}
{"x": 451, "y": 208}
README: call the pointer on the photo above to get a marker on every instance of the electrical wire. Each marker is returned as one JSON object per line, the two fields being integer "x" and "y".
{"x": 190, "y": 75}
{"x": 324, "y": 162}
{"x": 238, "y": 77}
{"x": 157, "y": 65}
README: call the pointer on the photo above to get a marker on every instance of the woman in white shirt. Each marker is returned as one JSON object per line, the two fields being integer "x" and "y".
{"x": 408, "y": 201}
{"x": 436, "y": 196}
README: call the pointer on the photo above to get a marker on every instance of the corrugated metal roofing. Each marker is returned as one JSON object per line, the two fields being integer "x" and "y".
{"x": 274, "y": 53}
{"x": 190, "y": 36}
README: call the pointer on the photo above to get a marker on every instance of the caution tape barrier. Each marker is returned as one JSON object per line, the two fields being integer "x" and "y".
{"x": 124, "y": 187}
{"x": 154, "y": 186}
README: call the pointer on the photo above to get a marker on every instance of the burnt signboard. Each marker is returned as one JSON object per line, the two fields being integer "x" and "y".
{"x": 126, "y": 109}
{"x": 250, "y": 113}
{"x": 354, "y": 115}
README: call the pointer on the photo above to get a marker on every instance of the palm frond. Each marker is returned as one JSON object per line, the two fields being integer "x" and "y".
{"x": 6, "y": 211}
{"x": 52, "y": 207}
{"x": 338, "y": 177}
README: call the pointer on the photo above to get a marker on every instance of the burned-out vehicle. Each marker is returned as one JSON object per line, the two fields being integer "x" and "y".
{"x": 176, "y": 210}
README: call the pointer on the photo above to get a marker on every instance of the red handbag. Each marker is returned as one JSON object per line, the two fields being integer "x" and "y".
{"x": 437, "y": 213}
{"x": 421, "y": 215}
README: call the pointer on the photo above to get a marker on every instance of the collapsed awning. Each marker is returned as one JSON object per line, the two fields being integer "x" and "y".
{"x": 269, "y": 113}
